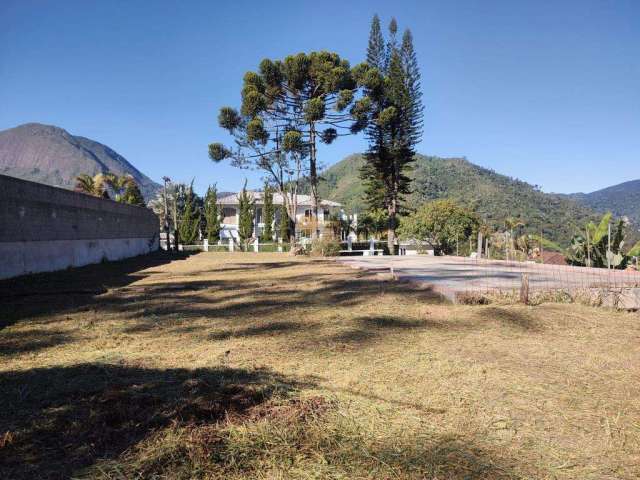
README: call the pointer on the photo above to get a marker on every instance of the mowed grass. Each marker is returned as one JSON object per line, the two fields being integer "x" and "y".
{"x": 268, "y": 366}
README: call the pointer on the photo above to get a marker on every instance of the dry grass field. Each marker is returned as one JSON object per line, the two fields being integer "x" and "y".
{"x": 271, "y": 367}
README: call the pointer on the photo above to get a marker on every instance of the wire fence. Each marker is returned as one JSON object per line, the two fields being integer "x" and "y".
{"x": 459, "y": 276}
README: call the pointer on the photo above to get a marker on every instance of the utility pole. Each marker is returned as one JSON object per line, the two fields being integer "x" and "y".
{"x": 176, "y": 235}
{"x": 166, "y": 215}
{"x": 609, "y": 247}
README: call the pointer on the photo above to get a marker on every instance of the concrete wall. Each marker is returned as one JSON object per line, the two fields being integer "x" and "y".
{"x": 45, "y": 228}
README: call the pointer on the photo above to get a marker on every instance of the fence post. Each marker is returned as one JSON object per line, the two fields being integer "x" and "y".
{"x": 256, "y": 247}
{"x": 349, "y": 243}
{"x": 479, "y": 245}
{"x": 524, "y": 289}
{"x": 372, "y": 245}
{"x": 231, "y": 244}
{"x": 205, "y": 244}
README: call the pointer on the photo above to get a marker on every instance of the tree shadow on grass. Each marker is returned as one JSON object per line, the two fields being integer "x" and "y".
{"x": 272, "y": 328}
{"x": 510, "y": 317}
{"x": 13, "y": 343}
{"x": 62, "y": 419}
{"x": 54, "y": 292}
{"x": 370, "y": 329}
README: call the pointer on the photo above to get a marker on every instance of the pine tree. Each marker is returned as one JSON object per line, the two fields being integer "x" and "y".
{"x": 394, "y": 126}
{"x": 212, "y": 214}
{"x": 267, "y": 214}
{"x": 375, "y": 50}
{"x": 246, "y": 214}
{"x": 190, "y": 222}
{"x": 412, "y": 76}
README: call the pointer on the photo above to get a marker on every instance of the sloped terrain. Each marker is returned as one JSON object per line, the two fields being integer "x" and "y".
{"x": 494, "y": 196}
{"x": 51, "y": 155}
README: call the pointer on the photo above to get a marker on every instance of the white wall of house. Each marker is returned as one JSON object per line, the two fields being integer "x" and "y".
{"x": 231, "y": 217}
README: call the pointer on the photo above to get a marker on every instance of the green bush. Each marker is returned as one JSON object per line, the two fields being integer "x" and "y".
{"x": 325, "y": 247}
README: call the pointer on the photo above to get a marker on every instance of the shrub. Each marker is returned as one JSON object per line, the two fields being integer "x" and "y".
{"x": 325, "y": 247}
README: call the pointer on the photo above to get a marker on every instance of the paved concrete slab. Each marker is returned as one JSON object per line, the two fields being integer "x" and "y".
{"x": 451, "y": 275}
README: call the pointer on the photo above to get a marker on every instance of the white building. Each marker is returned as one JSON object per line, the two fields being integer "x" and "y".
{"x": 305, "y": 222}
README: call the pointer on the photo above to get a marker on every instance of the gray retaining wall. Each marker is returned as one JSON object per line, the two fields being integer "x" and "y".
{"x": 45, "y": 228}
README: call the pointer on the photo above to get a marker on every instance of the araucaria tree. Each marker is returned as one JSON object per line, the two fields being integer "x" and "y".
{"x": 393, "y": 121}
{"x": 288, "y": 106}
{"x": 267, "y": 213}
{"x": 212, "y": 214}
{"x": 246, "y": 216}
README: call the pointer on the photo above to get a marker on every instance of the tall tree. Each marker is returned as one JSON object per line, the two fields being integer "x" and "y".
{"x": 190, "y": 221}
{"x": 375, "y": 50}
{"x": 267, "y": 213}
{"x": 212, "y": 214}
{"x": 415, "y": 111}
{"x": 287, "y": 108}
{"x": 284, "y": 225}
{"x": 394, "y": 123}
{"x": 246, "y": 216}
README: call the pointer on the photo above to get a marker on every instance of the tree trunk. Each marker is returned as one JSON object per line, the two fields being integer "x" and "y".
{"x": 313, "y": 177}
{"x": 176, "y": 235}
{"x": 391, "y": 231}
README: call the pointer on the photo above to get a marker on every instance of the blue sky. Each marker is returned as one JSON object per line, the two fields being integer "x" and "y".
{"x": 546, "y": 91}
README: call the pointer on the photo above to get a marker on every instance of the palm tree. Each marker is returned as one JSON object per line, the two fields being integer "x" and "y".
{"x": 96, "y": 185}
{"x": 120, "y": 184}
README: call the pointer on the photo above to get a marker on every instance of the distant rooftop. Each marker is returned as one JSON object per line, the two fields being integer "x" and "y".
{"x": 258, "y": 196}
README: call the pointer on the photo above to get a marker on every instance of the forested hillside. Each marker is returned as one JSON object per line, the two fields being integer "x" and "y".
{"x": 622, "y": 199}
{"x": 494, "y": 196}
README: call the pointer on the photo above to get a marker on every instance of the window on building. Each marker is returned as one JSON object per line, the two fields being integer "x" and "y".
{"x": 259, "y": 214}
{"x": 229, "y": 215}
{"x": 308, "y": 214}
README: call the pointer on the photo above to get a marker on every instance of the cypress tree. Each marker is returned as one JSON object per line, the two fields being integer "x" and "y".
{"x": 246, "y": 214}
{"x": 212, "y": 214}
{"x": 190, "y": 222}
{"x": 284, "y": 225}
{"x": 267, "y": 214}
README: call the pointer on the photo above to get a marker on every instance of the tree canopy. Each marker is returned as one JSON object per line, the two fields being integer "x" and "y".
{"x": 288, "y": 106}
{"x": 441, "y": 223}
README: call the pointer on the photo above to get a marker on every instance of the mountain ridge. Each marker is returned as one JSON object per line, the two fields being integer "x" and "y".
{"x": 494, "y": 196}
{"x": 622, "y": 199}
{"x": 50, "y": 154}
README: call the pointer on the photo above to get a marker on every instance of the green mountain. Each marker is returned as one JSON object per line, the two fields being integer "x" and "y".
{"x": 494, "y": 196}
{"x": 622, "y": 200}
